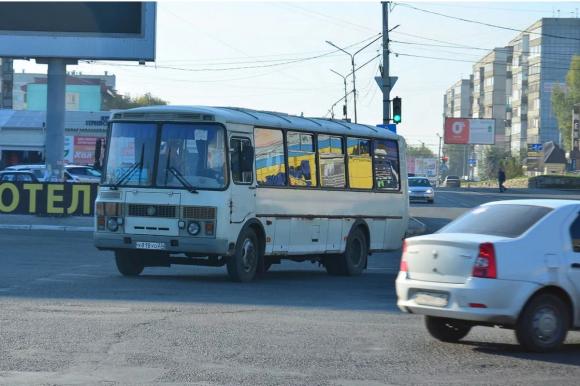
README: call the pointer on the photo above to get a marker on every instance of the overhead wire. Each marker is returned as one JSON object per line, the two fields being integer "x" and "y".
{"x": 485, "y": 23}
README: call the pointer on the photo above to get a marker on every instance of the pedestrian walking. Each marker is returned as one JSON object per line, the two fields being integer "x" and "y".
{"x": 501, "y": 180}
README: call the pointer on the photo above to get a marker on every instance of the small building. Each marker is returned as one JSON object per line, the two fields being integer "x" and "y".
{"x": 23, "y": 134}
{"x": 554, "y": 161}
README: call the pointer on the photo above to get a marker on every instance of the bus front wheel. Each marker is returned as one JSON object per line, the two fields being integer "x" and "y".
{"x": 128, "y": 263}
{"x": 243, "y": 264}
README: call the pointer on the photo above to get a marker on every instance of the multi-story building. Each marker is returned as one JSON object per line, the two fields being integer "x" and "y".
{"x": 6, "y": 76}
{"x": 490, "y": 81}
{"x": 514, "y": 84}
{"x": 458, "y": 102}
{"x": 542, "y": 56}
{"x": 83, "y": 92}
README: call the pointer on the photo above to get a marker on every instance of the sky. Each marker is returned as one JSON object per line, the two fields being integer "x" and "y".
{"x": 207, "y": 44}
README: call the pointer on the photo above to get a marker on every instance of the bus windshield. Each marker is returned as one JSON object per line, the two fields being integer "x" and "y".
{"x": 131, "y": 154}
{"x": 193, "y": 153}
{"x": 188, "y": 156}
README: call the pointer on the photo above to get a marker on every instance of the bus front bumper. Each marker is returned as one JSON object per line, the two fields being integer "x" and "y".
{"x": 171, "y": 244}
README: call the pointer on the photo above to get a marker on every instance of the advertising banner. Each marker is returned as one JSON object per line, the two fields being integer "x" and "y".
{"x": 422, "y": 166}
{"x": 47, "y": 198}
{"x": 463, "y": 131}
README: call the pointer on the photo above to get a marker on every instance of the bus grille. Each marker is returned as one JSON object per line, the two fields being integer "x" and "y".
{"x": 144, "y": 210}
{"x": 199, "y": 212}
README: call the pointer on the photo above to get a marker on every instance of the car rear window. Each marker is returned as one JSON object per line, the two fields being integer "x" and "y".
{"x": 506, "y": 220}
{"x": 419, "y": 182}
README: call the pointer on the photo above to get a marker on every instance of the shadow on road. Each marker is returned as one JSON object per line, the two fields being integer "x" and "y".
{"x": 569, "y": 354}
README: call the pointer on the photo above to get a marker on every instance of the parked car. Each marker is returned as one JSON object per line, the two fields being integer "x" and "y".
{"x": 420, "y": 188}
{"x": 452, "y": 181}
{"x": 17, "y": 176}
{"x": 513, "y": 264}
{"x": 39, "y": 172}
{"x": 84, "y": 173}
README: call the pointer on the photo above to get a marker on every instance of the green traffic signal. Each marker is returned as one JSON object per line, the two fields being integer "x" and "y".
{"x": 397, "y": 111}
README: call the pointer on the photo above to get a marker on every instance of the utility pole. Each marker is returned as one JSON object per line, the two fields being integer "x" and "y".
{"x": 345, "y": 108}
{"x": 386, "y": 80}
{"x": 439, "y": 160}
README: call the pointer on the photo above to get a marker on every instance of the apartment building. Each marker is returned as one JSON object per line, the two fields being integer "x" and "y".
{"x": 458, "y": 103}
{"x": 541, "y": 60}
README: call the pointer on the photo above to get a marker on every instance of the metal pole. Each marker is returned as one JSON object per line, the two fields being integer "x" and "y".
{"x": 385, "y": 73}
{"x": 354, "y": 87}
{"x": 345, "y": 93}
{"x": 439, "y": 161}
{"x": 55, "y": 110}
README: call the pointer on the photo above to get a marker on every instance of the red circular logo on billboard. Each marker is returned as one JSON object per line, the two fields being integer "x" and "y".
{"x": 456, "y": 130}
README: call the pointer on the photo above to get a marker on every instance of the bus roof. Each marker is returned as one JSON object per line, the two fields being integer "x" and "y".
{"x": 252, "y": 117}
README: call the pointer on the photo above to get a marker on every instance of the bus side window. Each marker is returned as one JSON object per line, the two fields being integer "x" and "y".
{"x": 360, "y": 170}
{"x": 301, "y": 159}
{"x": 270, "y": 157}
{"x": 386, "y": 165}
{"x": 331, "y": 161}
{"x": 242, "y": 160}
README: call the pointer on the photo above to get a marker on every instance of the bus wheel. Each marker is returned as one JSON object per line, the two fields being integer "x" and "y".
{"x": 356, "y": 253}
{"x": 243, "y": 264}
{"x": 334, "y": 265}
{"x": 128, "y": 263}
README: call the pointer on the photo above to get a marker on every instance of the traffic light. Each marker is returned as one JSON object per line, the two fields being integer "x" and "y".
{"x": 397, "y": 110}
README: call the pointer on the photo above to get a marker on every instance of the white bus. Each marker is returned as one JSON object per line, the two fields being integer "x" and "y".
{"x": 227, "y": 186}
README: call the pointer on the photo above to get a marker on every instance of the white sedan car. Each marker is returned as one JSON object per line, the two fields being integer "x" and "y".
{"x": 513, "y": 264}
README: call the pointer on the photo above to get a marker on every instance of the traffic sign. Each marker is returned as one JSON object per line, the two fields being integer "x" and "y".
{"x": 472, "y": 162}
{"x": 391, "y": 127}
{"x": 535, "y": 149}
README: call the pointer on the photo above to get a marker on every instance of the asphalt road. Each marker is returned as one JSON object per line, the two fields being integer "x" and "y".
{"x": 67, "y": 317}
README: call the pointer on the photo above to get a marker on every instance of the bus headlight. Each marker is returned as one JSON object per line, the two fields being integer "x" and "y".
{"x": 112, "y": 224}
{"x": 193, "y": 228}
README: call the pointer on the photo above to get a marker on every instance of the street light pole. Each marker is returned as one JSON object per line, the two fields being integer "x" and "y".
{"x": 353, "y": 68}
{"x": 345, "y": 112}
{"x": 439, "y": 159}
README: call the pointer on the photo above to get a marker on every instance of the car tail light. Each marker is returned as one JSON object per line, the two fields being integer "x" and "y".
{"x": 485, "y": 264}
{"x": 404, "y": 267}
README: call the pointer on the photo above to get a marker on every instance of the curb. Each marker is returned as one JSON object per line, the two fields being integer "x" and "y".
{"x": 61, "y": 228}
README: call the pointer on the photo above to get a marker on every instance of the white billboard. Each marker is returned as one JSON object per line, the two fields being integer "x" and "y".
{"x": 78, "y": 30}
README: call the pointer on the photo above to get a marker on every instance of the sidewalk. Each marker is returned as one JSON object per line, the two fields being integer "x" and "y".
{"x": 32, "y": 222}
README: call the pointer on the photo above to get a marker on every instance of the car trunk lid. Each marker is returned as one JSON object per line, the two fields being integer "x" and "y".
{"x": 444, "y": 258}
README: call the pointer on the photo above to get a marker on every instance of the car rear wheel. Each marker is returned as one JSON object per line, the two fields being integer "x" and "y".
{"x": 447, "y": 330}
{"x": 543, "y": 324}
{"x": 129, "y": 263}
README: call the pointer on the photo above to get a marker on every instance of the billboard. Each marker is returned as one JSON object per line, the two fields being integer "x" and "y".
{"x": 464, "y": 131}
{"x": 422, "y": 166}
{"x": 78, "y": 30}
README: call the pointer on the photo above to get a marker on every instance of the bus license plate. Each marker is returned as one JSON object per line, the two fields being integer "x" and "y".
{"x": 431, "y": 299}
{"x": 149, "y": 245}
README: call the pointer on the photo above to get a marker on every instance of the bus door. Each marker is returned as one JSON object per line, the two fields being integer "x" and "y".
{"x": 242, "y": 188}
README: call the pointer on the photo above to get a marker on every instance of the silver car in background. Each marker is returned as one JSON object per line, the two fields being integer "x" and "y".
{"x": 420, "y": 189}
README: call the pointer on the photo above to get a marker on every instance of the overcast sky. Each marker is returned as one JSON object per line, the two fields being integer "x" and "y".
{"x": 201, "y": 37}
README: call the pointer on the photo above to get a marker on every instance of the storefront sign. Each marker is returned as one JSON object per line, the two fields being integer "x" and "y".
{"x": 47, "y": 198}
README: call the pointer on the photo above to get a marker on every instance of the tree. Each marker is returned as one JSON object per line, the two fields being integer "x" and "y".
{"x": 420, "y": 152}
{"x": 564, "y": 99}
{"x": 121, "y": 102}
{"x": 495, "y": 158}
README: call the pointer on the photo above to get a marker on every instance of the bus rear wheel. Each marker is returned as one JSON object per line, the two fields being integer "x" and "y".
{"x": 129, "y": 263}
{"x": 243, "y": 264}
{"x": 354, "y": 259}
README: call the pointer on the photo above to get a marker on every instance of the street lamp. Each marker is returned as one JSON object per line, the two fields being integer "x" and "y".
{"x": 345, "y": 112}
{"x": 353, "y": 69}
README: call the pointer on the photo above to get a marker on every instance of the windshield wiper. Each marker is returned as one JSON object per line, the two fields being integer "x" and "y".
{"x": 177, "y": 174}
{"x": 132, "y": 168}
{"x": 182, "y": 179}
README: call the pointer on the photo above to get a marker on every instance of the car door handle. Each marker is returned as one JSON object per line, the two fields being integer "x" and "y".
{"x": 575, "y": 265}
